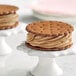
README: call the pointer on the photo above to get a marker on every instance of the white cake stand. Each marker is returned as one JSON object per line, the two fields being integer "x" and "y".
{"x": 47, "y": 65}
{"x": 4, "y": 47}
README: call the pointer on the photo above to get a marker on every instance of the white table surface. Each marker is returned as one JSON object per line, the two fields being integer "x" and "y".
{"x": 19, "y": 62}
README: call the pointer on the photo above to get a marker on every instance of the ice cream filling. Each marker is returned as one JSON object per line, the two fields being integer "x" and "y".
{"x": 9, "y": 19}
{"x": 49, "y": 42}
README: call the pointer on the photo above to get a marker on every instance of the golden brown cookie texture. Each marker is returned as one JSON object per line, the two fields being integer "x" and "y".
{"x": 49, "y": 28}
{"x": 49, "y": 35}
{"x": 8, "y": 9}
{"x": 8, "y": 17}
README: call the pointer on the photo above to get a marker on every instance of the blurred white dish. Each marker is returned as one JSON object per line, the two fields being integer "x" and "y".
{"x": 56, "y": 17}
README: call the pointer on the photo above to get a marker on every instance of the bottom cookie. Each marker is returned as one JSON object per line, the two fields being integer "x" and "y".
{"x": 8, "y": 27}
{"x": 48, "y": 49}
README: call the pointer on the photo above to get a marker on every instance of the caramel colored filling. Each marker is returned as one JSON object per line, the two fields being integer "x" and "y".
{"x": 9, "y": 19}
{"x": 49, "y": 42}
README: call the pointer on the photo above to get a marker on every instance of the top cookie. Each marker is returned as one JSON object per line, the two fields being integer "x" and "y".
{"x": 7, "y": 9}
{"x": 49, "y": 28}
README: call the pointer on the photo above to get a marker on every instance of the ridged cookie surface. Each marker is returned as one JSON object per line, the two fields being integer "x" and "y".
{"x": 49, "y": 28}
{"x": 7, "y": 9}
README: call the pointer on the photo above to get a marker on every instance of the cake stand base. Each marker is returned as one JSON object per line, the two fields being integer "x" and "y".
{"x": 4, "y": 47}
{"x": 46, "y": 67}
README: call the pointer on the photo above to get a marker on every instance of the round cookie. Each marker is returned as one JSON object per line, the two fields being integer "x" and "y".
{"x": 49, "y": 35}
{"x": 7, "y": 9}
{"x": 47, "y": 49}
{"x": 8, "y": 17}
{"x": 49, "y": 28}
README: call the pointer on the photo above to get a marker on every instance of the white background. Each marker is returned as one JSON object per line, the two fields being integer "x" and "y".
{"x": 19, "y": 62}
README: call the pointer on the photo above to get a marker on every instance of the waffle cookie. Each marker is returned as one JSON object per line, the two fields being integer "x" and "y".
{"x": 49, "y": 35}
{"x": 8, "y": 17}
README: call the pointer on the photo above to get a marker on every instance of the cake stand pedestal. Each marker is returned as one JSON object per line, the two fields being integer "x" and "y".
{"x": 4, "y": 47}
{"x": 47, "y": 65}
